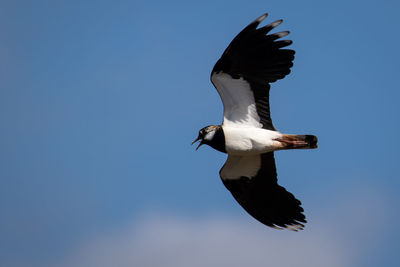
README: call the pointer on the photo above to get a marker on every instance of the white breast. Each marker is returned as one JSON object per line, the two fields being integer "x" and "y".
{"x": 250, "y": 141}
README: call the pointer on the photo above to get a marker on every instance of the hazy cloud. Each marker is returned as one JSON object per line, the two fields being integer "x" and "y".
{"x": 165, "y": 240}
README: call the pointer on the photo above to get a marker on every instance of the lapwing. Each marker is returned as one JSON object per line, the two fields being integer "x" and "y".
{"x": 242, "y": 76}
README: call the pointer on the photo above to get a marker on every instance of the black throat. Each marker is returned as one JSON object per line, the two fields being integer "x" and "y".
{"x": 218, "y": 142}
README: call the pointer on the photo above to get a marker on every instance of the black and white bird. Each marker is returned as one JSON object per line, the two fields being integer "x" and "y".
{"x": 242, "y": 77}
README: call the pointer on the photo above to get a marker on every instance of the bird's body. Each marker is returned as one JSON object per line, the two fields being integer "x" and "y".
{"x": 250, "y": 140}
{"x": 241, "y": 77}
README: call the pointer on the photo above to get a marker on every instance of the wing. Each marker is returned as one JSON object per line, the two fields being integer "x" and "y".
{"x": 243, "y": 74}
{"x": 252, "y": 180}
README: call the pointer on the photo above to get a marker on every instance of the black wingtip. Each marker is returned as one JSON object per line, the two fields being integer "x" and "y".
{"x": 257, "y": 56}
{"x": 267, "y": 28}
{"x": 275, "y": 23}
{"x": 254, "y": 24}
{"x": 279, "y": 35}
{"x": 262, "y": 17}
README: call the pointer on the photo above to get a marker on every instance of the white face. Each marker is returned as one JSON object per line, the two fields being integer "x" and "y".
{"x": 209, "y": 136}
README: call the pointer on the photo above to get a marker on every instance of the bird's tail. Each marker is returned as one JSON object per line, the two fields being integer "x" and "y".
{"x": 292, "y": 141}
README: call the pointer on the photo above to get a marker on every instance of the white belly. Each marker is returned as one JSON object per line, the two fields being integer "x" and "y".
{"x": 250, "y": 141}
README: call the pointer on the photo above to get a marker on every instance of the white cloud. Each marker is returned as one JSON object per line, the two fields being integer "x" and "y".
{"x": 334, "y": 239}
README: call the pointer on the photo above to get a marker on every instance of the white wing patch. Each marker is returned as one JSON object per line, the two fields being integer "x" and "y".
{"x": 238, "y": 166}
{"x": 238, "y": 100}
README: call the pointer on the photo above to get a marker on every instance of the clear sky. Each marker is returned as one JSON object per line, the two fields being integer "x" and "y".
{"x": 100, "y": 100}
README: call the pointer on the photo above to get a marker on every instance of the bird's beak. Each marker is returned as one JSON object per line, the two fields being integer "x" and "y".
{"x": 197, "y": 139}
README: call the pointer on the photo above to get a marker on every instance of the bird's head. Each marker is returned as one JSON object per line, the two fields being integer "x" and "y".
{"x": 206, "y": 135}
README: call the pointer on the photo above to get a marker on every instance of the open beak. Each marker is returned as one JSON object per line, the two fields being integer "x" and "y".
{"x": 197, "y": 139}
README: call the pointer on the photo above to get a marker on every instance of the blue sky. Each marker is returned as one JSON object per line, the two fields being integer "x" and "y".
{"x": 100, "y": 100}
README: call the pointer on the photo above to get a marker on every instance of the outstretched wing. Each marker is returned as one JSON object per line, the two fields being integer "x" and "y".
{"x": 252, "y": 180}
{"x": 243, "y": 74}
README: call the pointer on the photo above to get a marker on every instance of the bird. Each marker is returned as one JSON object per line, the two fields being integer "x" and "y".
{"x": 254, "y": 59}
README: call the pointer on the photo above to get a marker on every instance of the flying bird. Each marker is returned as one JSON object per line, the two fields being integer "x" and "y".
{"x": 242, "y": 76}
